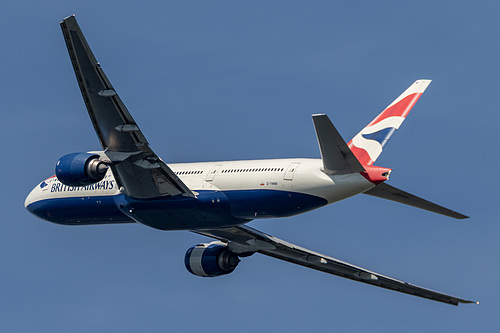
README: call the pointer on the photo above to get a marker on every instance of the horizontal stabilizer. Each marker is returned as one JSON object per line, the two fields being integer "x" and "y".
{"x": 389, "y": 192}
{"x": 338, "y": 159}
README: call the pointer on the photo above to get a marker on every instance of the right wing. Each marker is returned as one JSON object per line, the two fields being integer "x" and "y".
{"x": 136, "y": 168}
{"x": 389, "y": 192}
{"x": 243, "y": 239}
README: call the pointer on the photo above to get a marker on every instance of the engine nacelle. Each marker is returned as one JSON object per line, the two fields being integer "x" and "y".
{"x": 80, "y": 169}
{"x": 210, "y": 259}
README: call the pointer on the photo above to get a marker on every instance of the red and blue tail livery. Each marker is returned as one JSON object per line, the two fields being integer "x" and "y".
{"x": 368, "y": 144}
{"x": 126, "y": 182}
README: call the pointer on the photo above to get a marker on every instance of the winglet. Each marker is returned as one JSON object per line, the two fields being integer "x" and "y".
{"x": 367, "y": 145}
{"x": 337, "y": 157}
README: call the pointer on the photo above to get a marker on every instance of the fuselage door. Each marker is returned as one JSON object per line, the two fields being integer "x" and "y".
{"x": 290, "y": 171}
{"x": 212, "y": 172}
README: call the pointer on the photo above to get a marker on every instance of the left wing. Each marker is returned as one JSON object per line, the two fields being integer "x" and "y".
{"x": 135, "y": 166}
{"x": 243, "y": 239}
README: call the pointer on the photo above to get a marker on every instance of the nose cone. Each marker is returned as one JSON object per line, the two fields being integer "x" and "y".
{"x": 35, "y": 196}
{"x": 30, "y": 199}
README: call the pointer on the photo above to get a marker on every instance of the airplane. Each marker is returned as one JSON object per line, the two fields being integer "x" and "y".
{"x": 126, "y": 182}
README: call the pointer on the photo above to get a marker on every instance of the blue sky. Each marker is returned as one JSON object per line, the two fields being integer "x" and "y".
{"x": 224, "y": 80}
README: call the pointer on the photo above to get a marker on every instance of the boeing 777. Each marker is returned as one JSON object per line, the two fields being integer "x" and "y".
{"x": 126, "y": 182}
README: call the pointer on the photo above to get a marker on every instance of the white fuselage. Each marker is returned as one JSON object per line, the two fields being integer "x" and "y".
{"x": 250, "y": 188}
{"x": 293, "y": 175}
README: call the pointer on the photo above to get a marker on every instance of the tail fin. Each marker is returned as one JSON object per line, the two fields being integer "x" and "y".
{"x": 367, "y": 145}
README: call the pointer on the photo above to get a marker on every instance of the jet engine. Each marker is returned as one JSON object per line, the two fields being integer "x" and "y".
{"x": 80, "y": 169}
{"x": 210, "y": 259}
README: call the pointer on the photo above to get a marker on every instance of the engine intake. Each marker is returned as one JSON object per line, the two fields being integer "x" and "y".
{"x": 210, "y": 259}
{"x": 80, "y": 169}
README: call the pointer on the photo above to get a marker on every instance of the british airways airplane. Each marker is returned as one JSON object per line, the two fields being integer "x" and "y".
{"x": 127, "y": 182}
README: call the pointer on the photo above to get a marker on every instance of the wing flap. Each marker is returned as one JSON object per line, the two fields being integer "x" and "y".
{"x": 137, "y": 169}
{"x": 251, "y": 239}
{"x": 389, "y": 192}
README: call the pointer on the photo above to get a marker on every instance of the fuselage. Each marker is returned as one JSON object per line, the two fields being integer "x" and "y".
{"x": 227, "y": 193}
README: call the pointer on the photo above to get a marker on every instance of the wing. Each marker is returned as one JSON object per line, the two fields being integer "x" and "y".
{"x": 389, "y": 192}
{"x": 137, "y": 169}
{"x": 243, "y": 239}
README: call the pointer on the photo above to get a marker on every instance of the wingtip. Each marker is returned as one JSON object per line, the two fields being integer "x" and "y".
{"x": 458, "y": 301}
{"x": 68, "y": 17}
{"x": 459, "y": 216}
{"x": 469, "y": 302}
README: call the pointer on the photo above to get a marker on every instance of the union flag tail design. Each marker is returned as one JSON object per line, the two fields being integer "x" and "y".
{"x": 367, "y": 145}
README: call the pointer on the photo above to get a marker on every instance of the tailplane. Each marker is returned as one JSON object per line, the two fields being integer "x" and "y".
{"x": 367, "y": 145}
{"x": 358, "y": 156}
{"x": 388, "y": 192}
{"x": 337, "y": 158}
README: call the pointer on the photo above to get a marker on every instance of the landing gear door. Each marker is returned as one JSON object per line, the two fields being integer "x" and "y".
{"x": 290, "y": 171}
{"x": 212, "y": 172}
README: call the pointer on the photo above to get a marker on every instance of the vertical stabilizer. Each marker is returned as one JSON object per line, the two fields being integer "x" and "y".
{"x": 367, "y": 145}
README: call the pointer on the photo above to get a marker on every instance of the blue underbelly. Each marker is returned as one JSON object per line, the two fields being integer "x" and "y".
{"x": 210, "y": 209}
{"x": 79, "y": 210}
{"x": 252, "y": 204}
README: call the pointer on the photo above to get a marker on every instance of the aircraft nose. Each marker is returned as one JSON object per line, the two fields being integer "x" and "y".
{"x": 29, "y": 199}
{"x": 34, "y": 196}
